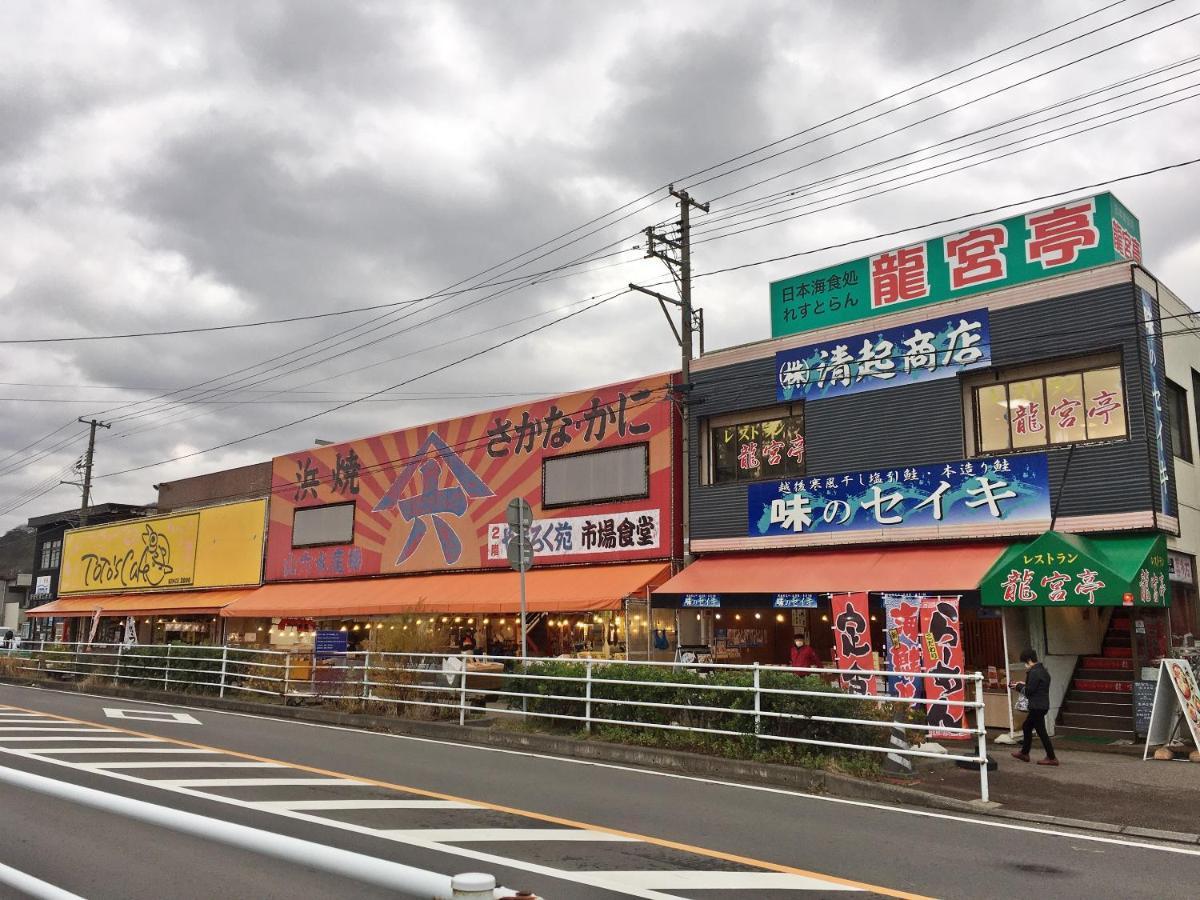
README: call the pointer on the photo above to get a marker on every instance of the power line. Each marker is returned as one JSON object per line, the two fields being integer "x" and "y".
{"x": 944, "y": 167}
{"x": 994, "y": 93}
{"x": 361, "y": 399}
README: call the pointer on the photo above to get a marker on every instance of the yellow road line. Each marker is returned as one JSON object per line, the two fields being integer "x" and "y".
{"x": 541, "y": 817}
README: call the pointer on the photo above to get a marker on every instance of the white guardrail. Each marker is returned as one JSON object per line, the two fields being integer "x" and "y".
{"x": 406, "y": 880}
{"x": 739, "y": 701}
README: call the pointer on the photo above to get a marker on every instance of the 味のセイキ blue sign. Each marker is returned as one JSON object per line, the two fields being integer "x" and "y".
{"x": 970, "y": 492}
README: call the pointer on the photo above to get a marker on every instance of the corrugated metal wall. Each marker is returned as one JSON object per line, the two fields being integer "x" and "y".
{"x": 924, "y": 423}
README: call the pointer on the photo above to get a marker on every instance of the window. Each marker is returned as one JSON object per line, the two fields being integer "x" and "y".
{"x": 757, "y": 449}
{"x": 317, "y": 525}
{"x": 52, "y": 554}
{"x": 596, "y": 476}
{"x": 1052, "y": 410}
{"x": 1181, "y": 432}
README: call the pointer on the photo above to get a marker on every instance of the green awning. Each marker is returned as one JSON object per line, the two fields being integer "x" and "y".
{"x": 1073, "y": 570}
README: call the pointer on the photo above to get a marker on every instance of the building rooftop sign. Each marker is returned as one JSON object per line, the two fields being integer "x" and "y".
{"x": 1074, "y": 235}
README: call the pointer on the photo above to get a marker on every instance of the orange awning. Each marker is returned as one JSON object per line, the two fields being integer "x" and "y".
{"x": 546, "y": 590}
{"x": 179, "y": 603}
{"x": 944, "y": 567}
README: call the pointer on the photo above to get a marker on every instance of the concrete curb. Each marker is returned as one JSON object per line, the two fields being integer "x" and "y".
{"x": 657, "y": 759}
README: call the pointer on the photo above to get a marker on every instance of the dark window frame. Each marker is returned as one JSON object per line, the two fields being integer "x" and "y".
{"x": 1006, "y": 382}
{"x": 1180, "y": 420}
{"x": 756, "y": 417}
{"x": 644, "y": 445}
{"x": 353, "y": 525}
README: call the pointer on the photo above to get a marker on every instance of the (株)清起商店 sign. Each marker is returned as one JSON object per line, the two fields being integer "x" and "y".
{"x": 1070, "y": 236}
{"x": 1004, "y": 489}
{"x": 906, "y": 354}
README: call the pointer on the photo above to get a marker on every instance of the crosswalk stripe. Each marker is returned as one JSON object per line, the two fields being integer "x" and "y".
{"x": 185, "y": 764}
{"x": 54, "y": 750}
{"x": 498, "y": 835}
{"x": 41, "y": 728}
{"x": 683, "y": 879}
{"x": 257, "y": 782}
{"x": 44, "y": 737}
{"x": 312, "y": 805}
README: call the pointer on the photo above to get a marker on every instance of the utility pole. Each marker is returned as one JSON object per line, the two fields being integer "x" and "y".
{"x": 87, "y": 466}
{"x": 690, "y": 320}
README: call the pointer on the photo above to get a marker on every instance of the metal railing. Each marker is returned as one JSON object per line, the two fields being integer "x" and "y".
{"x": 755, "y": 703}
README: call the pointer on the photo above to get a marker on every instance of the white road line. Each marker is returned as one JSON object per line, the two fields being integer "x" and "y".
{"x": 448, "y": 849}
{"x": 498, "y": 835}
{"x": 186, "y": 764}
{"x": 54, "y": 750}
{"x": 43, "y": 737}
{"x": 273, "y": 805}
{"x": 682, "y": 880}
{"x": 252, "y": 782}
{"x": 40, "y": 728}
{"x": 1137, "y": 844}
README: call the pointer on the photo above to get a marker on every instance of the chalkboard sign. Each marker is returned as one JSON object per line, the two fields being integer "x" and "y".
{"x": 1143, "y": 706}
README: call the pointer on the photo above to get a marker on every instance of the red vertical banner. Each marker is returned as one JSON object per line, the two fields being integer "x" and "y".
{"x": 942, "y": 653}
{"x": 852, "y": 640}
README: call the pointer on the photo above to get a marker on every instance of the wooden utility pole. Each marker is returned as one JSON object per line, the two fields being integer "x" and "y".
{"x": 87, "y": 466}
{"x": 690, "y": 320}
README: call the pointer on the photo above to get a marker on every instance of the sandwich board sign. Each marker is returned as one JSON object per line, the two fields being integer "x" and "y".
{"x": 1177, "y": 696}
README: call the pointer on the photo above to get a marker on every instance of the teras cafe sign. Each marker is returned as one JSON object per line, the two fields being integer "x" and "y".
{"x": 907, "y": 354}
{"x": 1069, "y": 237}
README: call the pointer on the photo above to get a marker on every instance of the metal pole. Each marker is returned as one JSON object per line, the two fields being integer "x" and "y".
{"x": 521, "y": 568}
{"x": 587, "y": 711}
{"x": 462, "y": 692}
{"x": 1012, "y": 729}
{"x": 366, "y": 685}
{"x": 981, "y": 726}
{"x": 224, "y": 667}
{"x": 167, "y": 668}
{"x": 757, "y": 701}
{"x": 87, "y": 467}
{"x": 685, "y": 377}
{"x": 120, "y": 653}
{"x": 287, "y": 675}
{"x": 524, "y": 645}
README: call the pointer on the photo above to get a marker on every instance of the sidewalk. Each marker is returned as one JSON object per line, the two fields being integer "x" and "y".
{"x": 1114, "y": 788}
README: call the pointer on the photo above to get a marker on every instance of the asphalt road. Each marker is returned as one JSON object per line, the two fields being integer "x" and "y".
{"x": 559, "y": 828}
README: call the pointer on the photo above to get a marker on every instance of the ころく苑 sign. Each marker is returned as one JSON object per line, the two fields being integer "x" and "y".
{"x": 906, "y": 354}
{"x": 576, "y": 535}
{"x": 970, "y": 492}
{"x": 1078, "y": 234}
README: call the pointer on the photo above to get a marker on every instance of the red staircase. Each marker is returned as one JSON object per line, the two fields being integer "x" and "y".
{"x": 1099, "y": 702}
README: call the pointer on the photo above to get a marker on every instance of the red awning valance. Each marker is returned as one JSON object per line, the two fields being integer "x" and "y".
{"x": 941, "y": 567}
{"x": 573, "y": 589}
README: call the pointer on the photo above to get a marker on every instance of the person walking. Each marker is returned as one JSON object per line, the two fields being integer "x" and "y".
{"x": 1036, "y": 690}
{"x": 803, "y": 656}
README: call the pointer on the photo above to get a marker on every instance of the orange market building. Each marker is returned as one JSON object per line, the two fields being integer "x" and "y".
{"x": 400, "y": 540}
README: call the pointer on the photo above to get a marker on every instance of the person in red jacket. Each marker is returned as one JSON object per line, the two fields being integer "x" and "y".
{"x": 803, "y": 656}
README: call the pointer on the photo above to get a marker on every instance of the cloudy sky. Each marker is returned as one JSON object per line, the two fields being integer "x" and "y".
{"x": 171, "y": 165}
